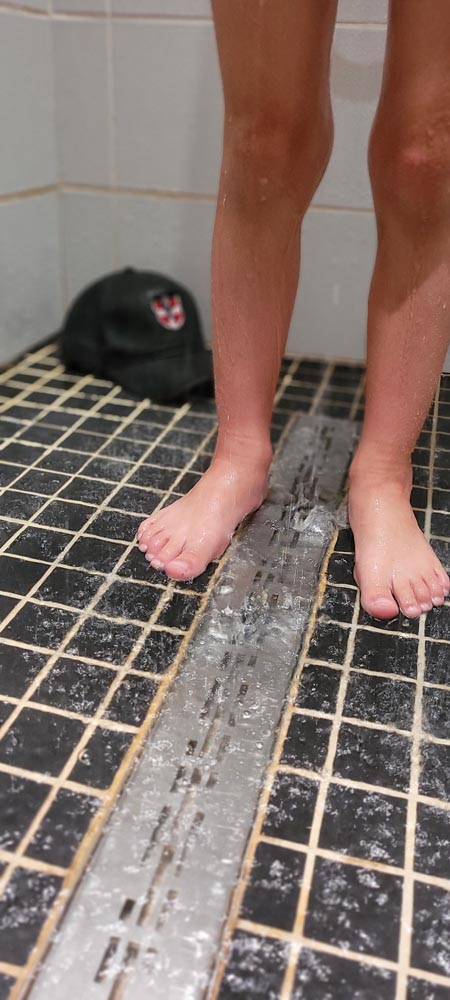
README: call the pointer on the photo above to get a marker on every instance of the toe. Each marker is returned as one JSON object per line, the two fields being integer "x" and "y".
{"x": 407, "y": 599}
{"x": 422, "y": 594}
{"x": 171, "y": 550}
{"x": 156, "y": 543}
{"x": 189, "y": 565}
{"x": 436, "y": 588}
{"x": 376, "y": 600}
{"x": 146, "y": 526}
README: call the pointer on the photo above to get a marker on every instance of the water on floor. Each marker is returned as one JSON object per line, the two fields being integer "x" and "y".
{"x": 348, "y": 848}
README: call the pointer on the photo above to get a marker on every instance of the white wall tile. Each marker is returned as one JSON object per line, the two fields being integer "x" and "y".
{"x": 374, "y": 11}
{"x": 357, "y": 65}
{"x": 30, "y": 286}
{"x": 338, "y": 252}
{"x": 172, "y": 236}
{"x": 82, "y": 106}
{"x": 26, "y": 103}
{"x": 80, "y": 6}
{"x": 169, "y": 106}
{"x": 168, "y": 8}
{"x": 86, "y": 224}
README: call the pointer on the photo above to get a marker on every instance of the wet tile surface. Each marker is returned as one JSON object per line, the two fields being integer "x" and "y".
{"x": 90, "y": 635}
{"x": 358, "y": 789}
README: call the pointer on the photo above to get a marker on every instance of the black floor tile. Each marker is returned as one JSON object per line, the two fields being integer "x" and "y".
{"x": 122, "y": 448}
{"x": 25, "y": 905}
{"x": 131, "y": 702}
{"x": 355, "y": 908}
{"x": 100, "y": 639}
{"x": 40, "y": 626}
{"x": 385, "y": 653}
{"x": 420, "y": 989}
{"x": 440, "y": 523}
{"x": 133, "y": 499}
{"x": 67, "y": 516}
{"x": 18, "y": 576}
{"x": 435, "y": 771}
{"x": 379, "y": 699}
{"x": 432, "y": 841}
{"x": 63, "y": 828}
{"x": 332, "y": 977}
{"x": 20, "y": 800}
{"x": 255, "y": 968}
{"x": 39, "y": 481}
{"x": 340, "y": 568}
{"x": 40, "y": 741}
{"x": 158, "y": 652}
{"x": 94, "y": 554}
{"x": 437, "y": 623}
{"x": 89, "y": 491}
{"x": 437, "y": 663}
{"x": 338, "y": 603}
{"x": 436, "y": 712}
{"x": 20, "y": 505}
{"x": 18, "y": 668}
{"x": 319, "y": 687}
{"x": 431, "y": 934}
{"x": 179, "y": 611}
{"x": 364, "y": 824}
{"x": 21, "y": 454}
{"x": 306, "y": 743}
{"x": 103, "y": 755}
{"x": 75, "y": 686}
{"x": 6, "y": 605}
{"x": 6, "y": 985}
{"x": 107, "y": 468}
{"x": 39, "y": 543}
{"x": 328, "y": 642}
{"x": 273, "y": 887}
{"x": 290, "y": 809}
{"x": 112, "y": 524}
{"x": 373, "y": 756}
{"x": 60, "y": 460}
{"x": 71, "y": 587}
{"x": 129, "y": 600}
{"x": 83, "y": 441}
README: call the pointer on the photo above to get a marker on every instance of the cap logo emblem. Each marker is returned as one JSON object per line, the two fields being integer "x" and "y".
{"x": 169, "y": 311}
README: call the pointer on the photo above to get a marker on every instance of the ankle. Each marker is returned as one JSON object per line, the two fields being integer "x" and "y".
{"x": 244, "y": 450}
{"x": 374, "y": 465}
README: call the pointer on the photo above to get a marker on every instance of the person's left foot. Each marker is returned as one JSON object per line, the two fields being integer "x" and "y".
{"x": 395, "y": 566}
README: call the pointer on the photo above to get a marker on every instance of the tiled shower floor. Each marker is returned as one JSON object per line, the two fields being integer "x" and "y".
{"x": 356, "y": 833}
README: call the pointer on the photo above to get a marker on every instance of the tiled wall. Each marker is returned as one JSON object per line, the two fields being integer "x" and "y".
{"x": 139, "y": 113}
{"x": 30, "y": 287}
{"x": 138, "y": 134}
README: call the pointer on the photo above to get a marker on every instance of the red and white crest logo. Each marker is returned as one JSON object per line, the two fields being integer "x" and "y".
{"x": 169, "y": 311}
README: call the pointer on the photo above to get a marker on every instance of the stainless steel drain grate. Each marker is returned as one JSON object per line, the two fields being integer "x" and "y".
{"x": 147, "y": 919}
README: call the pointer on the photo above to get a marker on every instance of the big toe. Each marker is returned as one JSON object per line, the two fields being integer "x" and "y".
{"x": 377, "y": 599}
{"x": 186, "y": 566}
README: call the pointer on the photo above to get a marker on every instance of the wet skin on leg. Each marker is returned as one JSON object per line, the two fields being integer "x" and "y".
{"x": 274, "y": 60}
{"x": 409, "y": 310}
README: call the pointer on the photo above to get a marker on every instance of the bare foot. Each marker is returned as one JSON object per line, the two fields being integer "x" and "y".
{"x": 395, "y": 567}
{"x": 185, "y": 536}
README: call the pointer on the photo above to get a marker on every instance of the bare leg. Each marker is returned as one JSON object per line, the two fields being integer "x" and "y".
{"x": 274, "y": 58}
{"x": 409, "y": 309}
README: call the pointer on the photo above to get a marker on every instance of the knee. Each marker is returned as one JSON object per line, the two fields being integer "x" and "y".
{"x": 410, "y": 173}
{"x": 268, "y": 156}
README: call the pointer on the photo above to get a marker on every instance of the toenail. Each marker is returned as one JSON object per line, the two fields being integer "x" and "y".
{"x": 157, "y": 564}
{"x": 142, "y": 547}
{"x": 437, "y": 600}
{"x": 182, "y": 566}
{"x": 411, "y": 609}
{"x": 426, "y": 607}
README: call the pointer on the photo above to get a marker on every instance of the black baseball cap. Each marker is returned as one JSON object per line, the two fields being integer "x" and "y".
{"x": 141, "y": 330}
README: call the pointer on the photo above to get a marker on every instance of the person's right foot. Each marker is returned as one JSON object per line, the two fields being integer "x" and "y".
{"x": 183, "y": 538}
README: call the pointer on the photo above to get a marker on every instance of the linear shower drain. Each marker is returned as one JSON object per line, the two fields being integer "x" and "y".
{"x": 147, "y": 919}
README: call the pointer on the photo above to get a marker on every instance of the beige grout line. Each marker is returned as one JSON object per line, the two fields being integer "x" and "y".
{"x": 13, "y": 196}
{"x": 48, "y": 779}
{"x": 407, "y": 913}
{"x": 33, "y": 864}
{"x": 307, "y": 877}
{"x": 274, "y": 766}
{"x": 90, "y": 840}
